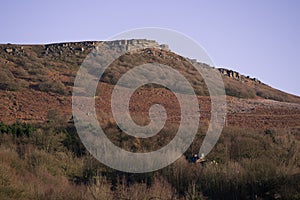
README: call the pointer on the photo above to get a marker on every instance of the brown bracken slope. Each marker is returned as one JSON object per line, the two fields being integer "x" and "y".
{"x": 35, "y": 79}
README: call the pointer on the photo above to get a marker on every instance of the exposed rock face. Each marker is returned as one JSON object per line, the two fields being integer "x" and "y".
{"x": 13, "y": 49}
{"x": 76, "y": 47}
{"x": 236, "y": 75}
{"x": 140, "y": 44}
{"x": 9, "y": 50}
{"x": 68, "y": 48}
{"x": 230, "y": 73}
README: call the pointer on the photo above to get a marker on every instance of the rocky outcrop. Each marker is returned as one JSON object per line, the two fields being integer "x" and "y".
{"x": 78, "y": 47}
{"x": 68, "y": 48}
{"x": 11, "y": 49}
{"x": 230, "y": 73}
{"x": 137, "y": 44}
{"x": 237, "y": 75}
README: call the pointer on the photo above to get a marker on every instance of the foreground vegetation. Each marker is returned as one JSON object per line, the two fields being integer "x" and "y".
{"x": 46, "y": 161}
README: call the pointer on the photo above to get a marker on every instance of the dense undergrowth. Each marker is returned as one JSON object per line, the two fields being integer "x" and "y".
{"x": 47, "y": 161}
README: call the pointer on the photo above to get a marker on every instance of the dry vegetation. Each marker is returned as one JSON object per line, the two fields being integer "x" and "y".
{"x": 44, "y": 158}
{"x": 32, "y": 68}
{"x": 46, "y": 161}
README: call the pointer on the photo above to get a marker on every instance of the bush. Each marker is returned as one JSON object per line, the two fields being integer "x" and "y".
{"x": 8, "y": 82}
{"x": 73, "y": 143}
{"x": 239, "y": 92}
{"x": 51, "y": 86}
{"x": 17, "y": 129}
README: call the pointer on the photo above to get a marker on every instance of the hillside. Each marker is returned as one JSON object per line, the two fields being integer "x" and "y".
{"x": 256, "y": 157}
{"x": 38, "y": 78}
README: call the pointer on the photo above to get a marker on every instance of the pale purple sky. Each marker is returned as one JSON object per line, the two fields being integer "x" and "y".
{"x": 256, "y": 38}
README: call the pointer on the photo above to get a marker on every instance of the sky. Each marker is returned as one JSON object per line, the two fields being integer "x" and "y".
{"x": 256, "y": 38}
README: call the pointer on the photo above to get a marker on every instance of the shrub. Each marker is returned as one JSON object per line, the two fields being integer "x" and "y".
{"x": 240, "y": 92}
{"x": 17, "y": 129}
{"x": 7, "y": 81}
{"x": 73, "y": 143}
{"x": 20, "y": 72}
{"x": 52, "y": 86}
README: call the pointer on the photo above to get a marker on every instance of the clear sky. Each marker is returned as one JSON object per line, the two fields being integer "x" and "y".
{"x": 256, "y": 38}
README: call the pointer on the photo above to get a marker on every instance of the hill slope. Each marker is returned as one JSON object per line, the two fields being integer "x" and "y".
{"x": 38, "y": 78}
{"x": 256, "y": 157}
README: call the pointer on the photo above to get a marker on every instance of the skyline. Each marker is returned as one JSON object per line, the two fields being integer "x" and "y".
{"x": 259, "y": 39}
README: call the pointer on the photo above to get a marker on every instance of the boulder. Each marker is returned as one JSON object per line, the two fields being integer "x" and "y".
{"x": 9, "y": 50}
